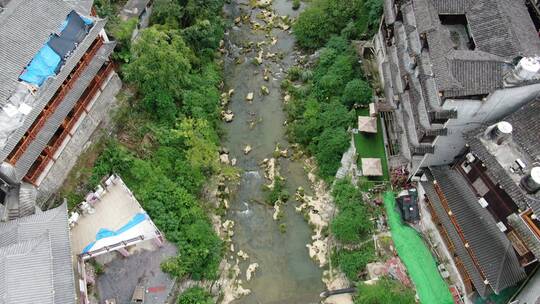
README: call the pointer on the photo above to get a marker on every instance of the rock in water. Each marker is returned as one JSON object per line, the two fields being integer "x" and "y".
{"x": 250, "y": 270}
{"x": 247, "y": 149}
{"x": 249, "y": 96}
{"x": 228, "y": 115}
{"x": 224, "y": 158}
{"x": 242, "y": 254}
{"x": 265, "y": 90}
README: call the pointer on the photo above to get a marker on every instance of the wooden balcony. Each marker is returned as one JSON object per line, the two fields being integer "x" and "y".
{"x": 67, "y": 126}
{"x": 53, "y": 103}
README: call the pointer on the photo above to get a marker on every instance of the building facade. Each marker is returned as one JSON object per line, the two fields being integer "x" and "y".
{"x": 449, "y": 66}
{"x": 57, "y": 85}
{"x": 486, "y": 205}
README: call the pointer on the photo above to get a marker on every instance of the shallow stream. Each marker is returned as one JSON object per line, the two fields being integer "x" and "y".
{"x": 286, "y": 274}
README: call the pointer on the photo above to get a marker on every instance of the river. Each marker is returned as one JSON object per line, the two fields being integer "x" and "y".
{"x": 286, "y": 274}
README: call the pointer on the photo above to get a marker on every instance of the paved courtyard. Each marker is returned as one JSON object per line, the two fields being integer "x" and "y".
{"x": 121, "y": 275}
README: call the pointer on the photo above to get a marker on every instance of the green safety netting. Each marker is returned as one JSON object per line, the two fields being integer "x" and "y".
{"x": 420, "y": 264}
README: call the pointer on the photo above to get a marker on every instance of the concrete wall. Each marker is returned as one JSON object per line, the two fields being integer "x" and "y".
{"x": 472, "y": 114}
{"x": 100, "y": 111}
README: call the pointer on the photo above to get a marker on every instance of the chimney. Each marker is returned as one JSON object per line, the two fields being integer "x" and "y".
{"x": 499, "y": 132}
{"x": 531, "y": 181}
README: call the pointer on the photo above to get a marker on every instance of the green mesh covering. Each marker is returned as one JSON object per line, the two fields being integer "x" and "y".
{"x": 420, "y": 264}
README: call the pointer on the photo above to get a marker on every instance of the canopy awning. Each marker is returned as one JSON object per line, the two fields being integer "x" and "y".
{"x": 367, "y": 124}
{"x": 371, "y": 167}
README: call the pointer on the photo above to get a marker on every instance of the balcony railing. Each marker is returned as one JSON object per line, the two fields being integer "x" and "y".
{"x": 53, "y": 104}
{"x": 68, "y": 124}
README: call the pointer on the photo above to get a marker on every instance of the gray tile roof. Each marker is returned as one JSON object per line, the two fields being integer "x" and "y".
{"x": 501, "y": 30}
{"x": 493, "y": 251}
{"x": 81, "y": 6}
{"x": 50, "y": 86}
{"x": 525, "y": 123}
{"x": 133, "y": 8}
{"x": 35, "y": 259}
{"x": 526, "y": 234}
{"x": 25, "y": 25}
{"x": 454, "y": 7}
{"x": 389, "y": 14}
{"x": 460, "y": 249}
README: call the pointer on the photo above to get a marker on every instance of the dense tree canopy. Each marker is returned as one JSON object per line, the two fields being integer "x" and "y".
{"x": 170, "y": 147}
{"x": 325, "y": 18}
{"x": 321, "y": 111}
{"x": 160, "y": 65}
{"x": 357, "y": 91}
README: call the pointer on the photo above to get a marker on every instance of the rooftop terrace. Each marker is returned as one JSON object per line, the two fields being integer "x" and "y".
{"x": 110, "y": 218}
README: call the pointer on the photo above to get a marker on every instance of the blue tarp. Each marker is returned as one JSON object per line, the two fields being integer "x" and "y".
{"x": 105, "y": 233}
{"x": 43, "y": 65}
{"x": 50, "y": 57}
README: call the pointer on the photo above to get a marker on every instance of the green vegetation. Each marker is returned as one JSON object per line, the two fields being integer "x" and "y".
{"x": 167, "y": 143}
{"x": 122, "y": 33}
{"x": 278, "y": 192}
{"x": 352, "y": 224}
{"x": 320, "y": 112}
{"x": 296, "y": 4}
{"x": 385, "y": 291}
{"x": 98, "y": 268}
{"x": 352, "y": 262}
{"x": 325, "y": 18}
{"x": 195, "y": 295}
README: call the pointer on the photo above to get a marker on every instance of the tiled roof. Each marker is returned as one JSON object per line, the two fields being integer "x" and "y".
{"x": 526, "y": 234}
{"x": 50, "y": 86}
{"x": 525, "y": 124}
{"x": 35, "y": 259}
{"x": 459, "y": 247}
{"x": 501, "y": 30}
{"x": 25, "y": 25}
{"x": 453, "y": 7}
{"x": 491, "y": 248}
{"x": 82, "y": 6}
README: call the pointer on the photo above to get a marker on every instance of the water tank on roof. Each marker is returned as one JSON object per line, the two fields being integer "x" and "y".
{"x": 531, "y": 181}
{"x": 500, "y": 132}
{"x": 527, "y": 68}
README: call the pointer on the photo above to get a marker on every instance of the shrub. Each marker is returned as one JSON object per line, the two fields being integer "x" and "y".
{"x": 296, "y": 4}
{"x": 122, "y": 33}
{"x": 353, "y": 262}
{"x": 195, "y": 295}
{"x": 293, "y": 74}
{"x": 385, "y": 291}
{"x": 356, "y": 91}
{"x": 351, "y": 225}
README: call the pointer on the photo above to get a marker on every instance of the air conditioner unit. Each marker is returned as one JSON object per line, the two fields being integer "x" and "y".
{"x": 470, "y": 157}
{"x": 482, "y": 201}
{"x": 501, "y": 226}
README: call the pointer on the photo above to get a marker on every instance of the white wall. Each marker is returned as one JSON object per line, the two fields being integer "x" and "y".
{"x": 472, "y": 114}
